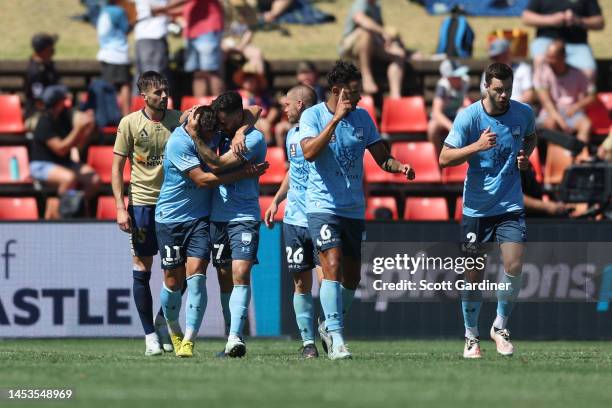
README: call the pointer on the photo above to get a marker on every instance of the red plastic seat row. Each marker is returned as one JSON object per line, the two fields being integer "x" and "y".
{"x": 18, "y": 208}
{"x": 11, "y": 115}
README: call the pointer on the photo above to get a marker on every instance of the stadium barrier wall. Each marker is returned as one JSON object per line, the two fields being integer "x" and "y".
{"x": 74, "y": 280}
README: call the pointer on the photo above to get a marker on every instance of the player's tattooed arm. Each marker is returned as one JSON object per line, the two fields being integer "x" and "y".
{"x": 385, "y": 161}
{"x": 205, "y": 179}
{"x": 251, "y": 116}
{"x": 529, "y": 143}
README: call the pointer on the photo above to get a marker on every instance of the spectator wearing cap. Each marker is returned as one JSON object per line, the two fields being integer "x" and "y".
{"x": 569, "y": 21}
{"x": 366, "y": 39}
{"x": 522, "y": 86}
{"x": 41, "y": 73}
{"x": 450, "y": 96}
{"x": 54, "y": 155}
{"x": 564, "y": 93}
{"x": 113, "y": 28}
{"x": 308, "y": 75}
{"x": 150, "y": 33}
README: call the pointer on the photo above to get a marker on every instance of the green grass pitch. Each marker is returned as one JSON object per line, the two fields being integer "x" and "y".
{"x": 114, "y": 373}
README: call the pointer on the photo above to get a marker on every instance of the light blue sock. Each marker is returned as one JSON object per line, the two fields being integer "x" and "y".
{"x": 471, "y": 300}
{"x": 505, "y": 299}
{"x": 347, "y": 299}
{"x": 304, "y": 315}
{"x": 196, "y": 304}
{"x": 239, "y": 308}
{"x": 227, "y": 316}
{"x": 170, "y": 303}
{"x": 330, "y": 296}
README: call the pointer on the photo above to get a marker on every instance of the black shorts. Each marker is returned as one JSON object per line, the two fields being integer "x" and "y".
{"x": 234, "y": 241}
{"x": 179, "y": 240}
{"x": 116, "y": 74}
{"x": 299, "y": 250}
{"x": 331, "y": 231}
{"x": 143, "y": 238}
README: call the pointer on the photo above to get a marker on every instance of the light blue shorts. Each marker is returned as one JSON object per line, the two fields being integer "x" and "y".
{"x": 578, "y": 55}
{"x": 40, "y": 169}
{"x": 204, "y": 52}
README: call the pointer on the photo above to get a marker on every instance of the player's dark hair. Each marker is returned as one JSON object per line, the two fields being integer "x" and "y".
{"x": 207, "y": 118}
{"x": 499, "y": 71}
{"x": 228, "y": 102}
{"x": 342, "y": 73}
{"x": 151, "y": 79}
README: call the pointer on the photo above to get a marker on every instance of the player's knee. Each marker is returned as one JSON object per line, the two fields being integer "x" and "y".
{"x": 513, "y": 267}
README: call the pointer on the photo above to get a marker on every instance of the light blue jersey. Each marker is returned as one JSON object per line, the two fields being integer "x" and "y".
{"x": 295, "y": 210}
{"x": 239, "y": 201}
{"x": 180, "y": 199}
{"x": 335, "y": 178}
{"x": 493, "y": 183}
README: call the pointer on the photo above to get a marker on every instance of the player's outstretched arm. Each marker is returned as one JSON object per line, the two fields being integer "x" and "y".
{"x": 385, "y": 161}
{"x": 279, "y": 197}
{"x": 208, "y": 180}
{"x": 454, "y": 156}
{"x": 123, "y": 218}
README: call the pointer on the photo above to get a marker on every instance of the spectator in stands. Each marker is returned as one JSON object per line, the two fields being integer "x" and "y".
{"x": 366, "y": 39}
{"x": 203, "y": 32}
{"x": 307, "y": 74}
{"x": 605, "y": 150}
{"x": 274, "y": 9}
{"x": 564, "y": 92}
{"x": 253, "y": 90}
{"x": 451, "y": 92}
{"x": 533, "y": 197}
{"x": 41, "y": 73}
{"x": 238, "y": 36}
{"x": 522, "y": 86}
{"x": 150, "y": 33}
{"x": 55, "y": 157}
{"x": 569, "y": 21}
{"x": 113, "y": 28}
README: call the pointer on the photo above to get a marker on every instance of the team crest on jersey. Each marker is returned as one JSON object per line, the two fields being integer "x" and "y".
{"x": 144, "y": 136}
{"x": 333, "y": 139}
{"x": 292, "y": 149}
{"x": 359, "y": 133}
{"x": 246, "y": 238}
{"x": 516, "y": 131}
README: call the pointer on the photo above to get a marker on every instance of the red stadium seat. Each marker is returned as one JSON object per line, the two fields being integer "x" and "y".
{"x": 375, "y": 203}
{"x": 534, "y": 159}
{"x": 188, "y": 101}
{"x": 600, "y": 119}
{"x": 373, "y": 173}
{"x": 422, "y": 157}
{"x": 459, "y": 209}
{"x": 11, "y": 115}
{"x": 107, "y": 210}
{"x": 404, "y": 115}
{"x": 7, "y": 153}
{"x": 138, "y": 103}
{"x": 101, "y": 159}
{"x": 277, "y": 170}
{"x": 426, "y": 209}
{"x": 367, "y": 103}
{"x": 264, "y": 203}
{"x": 557, "y": 160}
{"x": 606, "y": 99}
{"x": 18, "y": 208}
{"x": 454, "y": 174}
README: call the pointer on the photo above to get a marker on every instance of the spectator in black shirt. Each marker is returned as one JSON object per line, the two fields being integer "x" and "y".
{"x": 41, "y": 74}
{"x": 566, "y": 20}
{"x": 533, "y": 196}
{"x": 54, "y": 157}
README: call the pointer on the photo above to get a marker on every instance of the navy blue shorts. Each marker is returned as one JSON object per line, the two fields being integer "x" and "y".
{"x": 299, "y": 250}
{"x": 234, "y": 241}
{"x": 143, "y": 238}
{"x": 508, "y": 227}
{"x": 179, "y": 240}
{"x": 331, "y": 231}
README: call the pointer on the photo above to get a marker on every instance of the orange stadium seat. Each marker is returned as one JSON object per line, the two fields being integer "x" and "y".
{"x": 557, "y": 160}
{"x": 264, "y": 203}
{"x": 101, "y": 159}
{"x": 277, "y": 170}
{"x": 188, "y": 101}
{"x": 138, "y": 103}
{"x": 459, "y": 209}
{"x": 600, "y": 118}
{"x": 367, "y": 103}
{"x": 404, "y": 115}
{"x": 23, "y": 164}
{"x": 426, "y": 209}
{"x": 18, "y": 208}
{"x": 11, "y": 115}
{"x": 606, "y": 99}
{"x": 375, "y": 203}
{"x": 373, "y": 173}
{"x": 422, "y": 157}
{"x": 454, "y": 174}
{"x": 534, "y": 159}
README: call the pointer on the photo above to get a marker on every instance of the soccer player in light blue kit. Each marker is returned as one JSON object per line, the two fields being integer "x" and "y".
{"x": 496, "y": 137}
{"x": 299, "y": 249}
{"x": 333, "y": 136}
{"x": 235, "y": 218}
{"x": 182, "y": 223}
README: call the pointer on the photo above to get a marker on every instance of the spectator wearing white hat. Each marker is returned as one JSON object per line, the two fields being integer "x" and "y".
{"x": 522, "y": 86}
